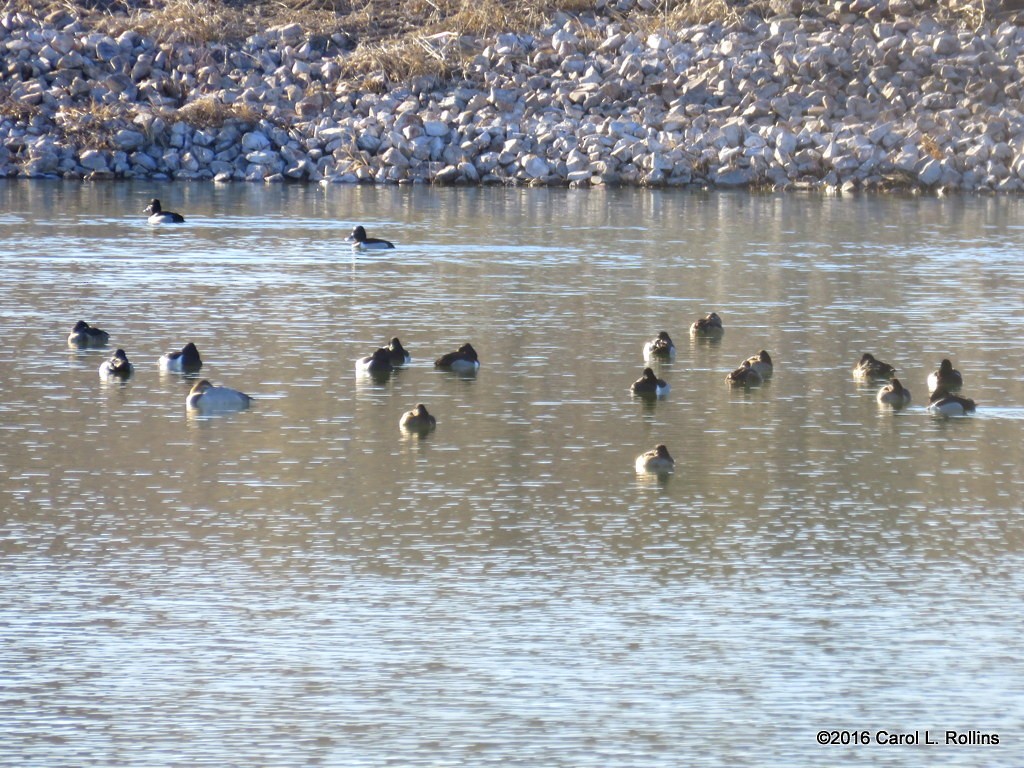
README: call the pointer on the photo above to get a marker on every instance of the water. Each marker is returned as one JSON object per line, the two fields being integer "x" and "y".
{"x": 303, "y": 584}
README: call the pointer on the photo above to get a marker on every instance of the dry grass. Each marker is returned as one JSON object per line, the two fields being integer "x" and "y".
{"x": 374, "y": 66}
{"x": 673, "y": 14}
{"x": 369, "y": 21}
{"x": 465, "y": 17}
{"x": 931, "y": 147}
{"x": 210, "y": 113}
{"x": 92, "y": 126}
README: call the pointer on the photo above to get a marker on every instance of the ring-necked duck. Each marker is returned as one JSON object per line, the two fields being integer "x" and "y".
{"x": 158, "y": 215}
{"x": 762, "y": 363}
{"x": 118, "y": 365}
{"x": 658, "y": 460}
{"x": 871, "y": 368}
{"x": 359, "y": 240}
{"x": 660, "y": 348}
{"x": 649, "y": 384}
{"x": 463, "y": 359}
{"x": 418, "y": 419}
{"x": 744, "y": 376}
{"x": 207, "y": 398}
{"x": 186, "y": 360}
{"x": 942, "y": 402}
{"x": 709, "y": 325}
{"x": 399, "y": 355}
{"x": 84, "y": 335}
{"x": 946, "y": 377}
{"x": 377, "y": 363}
{"x": 894, "y": 394}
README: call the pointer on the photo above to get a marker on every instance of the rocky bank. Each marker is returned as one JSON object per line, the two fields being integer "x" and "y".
{"x": 865, "y": 94}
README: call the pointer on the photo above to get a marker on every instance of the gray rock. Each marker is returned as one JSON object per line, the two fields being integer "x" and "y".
{"x": 733, "y": 177}
{"x": 93, "y": 160}
{"x": 435, "y": 128}
{"x": 262, "y": 157}
{"x": 930, "y": 173}
{"x": 106, "y": 49}
{"x": 255, "y": 141}
{"x": 394, "y": 158}
{"x": 536, "y": 167}
{"x": 129, "y": 140}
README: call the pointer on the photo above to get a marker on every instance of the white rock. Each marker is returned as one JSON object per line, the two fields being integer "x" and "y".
{"x": 435, "y": 128}
{"x": 394, "y": 158}
{"x": 93, "y": 160}
{"x": 930, "y": 173}
{"x": 785, "y": 142}
{"x": 536, "y": 167}
{"x": 255, "y": 141}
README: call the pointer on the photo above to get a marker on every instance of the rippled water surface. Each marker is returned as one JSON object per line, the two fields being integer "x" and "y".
{"x": 305, "y": 584}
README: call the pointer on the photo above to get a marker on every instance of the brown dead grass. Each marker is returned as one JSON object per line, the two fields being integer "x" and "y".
{"x": 210, "y": 113}
{"x": 91, "y": 126}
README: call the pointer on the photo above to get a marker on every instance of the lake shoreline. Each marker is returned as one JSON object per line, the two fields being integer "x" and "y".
{"x": 872, "y": 96}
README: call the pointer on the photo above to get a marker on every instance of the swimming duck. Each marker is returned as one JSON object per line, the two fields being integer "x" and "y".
{"x": 946, "y": 404}
{"x": 946, "y": 377}
{"x": 660, "y": 348}
{"x": 118, "y": 365}
{"x": 762, "y": 363}
{"x": 657, "y": 460}
{"x": 894, "y": 394}
{"x": 871, "y": 368}
{"x": 84, "y": 335}
{"x": 709, "y": 325}
{"x": 418, "y": 419}
{"x": 158, "y": 215}
{"x": 744, "y": 376}
{"x": 399, "y": 355}
{"x": 377, "y": 363}
{"x": 186, "y": 360}
{"x": 208, "y": 398}
{"x": 359, "y": 240}
{"x": 649, "y": 384}
{"x": 464, "y": 359}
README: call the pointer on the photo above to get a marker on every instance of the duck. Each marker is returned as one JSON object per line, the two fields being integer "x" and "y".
{"x": 463, "y": 359}
{"x": 157, "y": 215}
{"x": 85, "y": 335}
{"x": 205, "y": 397}
{"x": 399, "y": 355}
{"x": 945, "y": 377}
{"x": 744, "y": 376}
{"x": 378, "y": 363}
{"x": 660, "y": 347}
{"x": 709, "y": 325}
{"x": 894, "y": 394}
{"x": 186, "y": 360}
{"x": 942, "y": 402}
{"x": 359, "y": 241}
{"x": 118, "y": 365}
{"x": 762, "y": 363}
{"x": 418, "y": 419}
{"x": 871, "y": 368}
{"x": 659, "y": 460}
{"x": 649, "y": 384}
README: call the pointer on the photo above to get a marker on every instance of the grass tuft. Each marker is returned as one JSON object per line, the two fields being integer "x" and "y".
{"x": 92, "y": 126}
{"x": 211, "y": 113}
